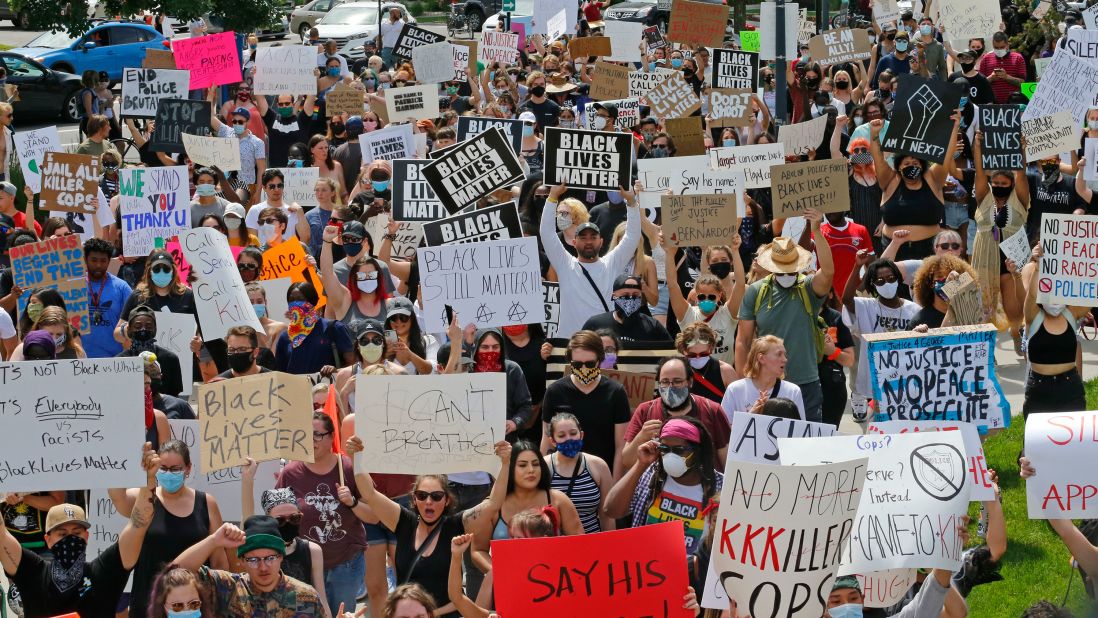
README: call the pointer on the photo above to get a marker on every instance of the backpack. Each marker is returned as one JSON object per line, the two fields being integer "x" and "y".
{"x": 821, "y": 326}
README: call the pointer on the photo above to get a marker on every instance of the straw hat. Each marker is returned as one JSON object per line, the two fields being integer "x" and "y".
{"x": 559, "y": 83}
{"x": 784, "y": 256}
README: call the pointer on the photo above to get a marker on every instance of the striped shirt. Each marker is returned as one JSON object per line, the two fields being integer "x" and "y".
{"x": 584, "y": 493}
{"x": 1014, "y": 64}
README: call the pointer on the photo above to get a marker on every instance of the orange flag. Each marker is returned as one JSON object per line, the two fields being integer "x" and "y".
{"x": 331, "y": 410}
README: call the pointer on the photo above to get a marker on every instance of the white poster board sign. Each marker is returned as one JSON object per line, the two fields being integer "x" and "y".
{"x": 218, "y": 291}
{"x": 1068, "y": 273}
{"x": 285, "y": 69}
{"x": 142, "y": 89}
{"x": 1058, "y": 446}
{"x": 32, "y": 147}
{"x": 754, "y": 437}
{"x": 154, "y": 203}
{"x": 220, "y": 152}
{"x": 300, "y": 185}
{"x": 174, "y": 332}
{"x": 976, "y": 467}
{"x": 754, "y": 162}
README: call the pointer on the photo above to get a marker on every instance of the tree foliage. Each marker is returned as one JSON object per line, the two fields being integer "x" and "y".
{"x": 74, "y": 16}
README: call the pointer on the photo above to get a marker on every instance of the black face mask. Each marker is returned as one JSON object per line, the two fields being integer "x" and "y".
{"x": 721, "y": 269}
{"x": 288, "y": 531}
{"x": 967, "y": 67}
{"x": 337, "y": 128}
{"x": 1002, "y": 192}
{"x": 143, "y": 335}
{"x": 240, "y": 361}
{"x": 538, "y": 91}
{"x": 812, "y": 82}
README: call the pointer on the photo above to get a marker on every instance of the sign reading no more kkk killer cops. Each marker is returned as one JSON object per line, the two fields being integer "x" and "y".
{"x": 583, "y": 159}
{"x": 472, "y": 169}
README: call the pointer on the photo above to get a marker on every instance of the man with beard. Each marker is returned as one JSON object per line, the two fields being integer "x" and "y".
{"x": 68, "y": 583}
{"x": 629, "y": 320}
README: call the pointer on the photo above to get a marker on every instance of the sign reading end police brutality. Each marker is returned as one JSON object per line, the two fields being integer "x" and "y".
{"x": 588, "y": 159}
{"x": 472, "y": 169}
{"x": 1069, "y": 267}
{"x": 142, "y": 89}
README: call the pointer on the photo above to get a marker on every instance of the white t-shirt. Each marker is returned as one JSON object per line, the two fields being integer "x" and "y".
{"x": 7, "y": 328}
{"x": 870, "y": 316}
{"x": 322, "y": 60}
{"x": 742, "y": 394}
{"x": 390, "y": 31}
{"x": 251, "y": 220}
{"x": 723, "y": 324}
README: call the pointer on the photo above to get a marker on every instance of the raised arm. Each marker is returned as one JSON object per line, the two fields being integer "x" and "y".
{"x": 854, "y": 281}
{"x": 885, "y": 173}
{"x": 247, "y": 488}
{"x": 554, "y": 250}
{"x": 228, "y": 536}
{"x": 387, "y": 511}
{"x": 1030, "y": 308}
{"x": 679, "y": 304}
{"x": 617, "y": 502}
{"x": 1081, "y": 189}
{"x": 338, "y": 296}
{"x": 133, "y": 535}
{"x": 465, "y": 606}
{"x": 740, "y": 286}
{"x": 825, "y": 275}
{"x": 980, "y": 183}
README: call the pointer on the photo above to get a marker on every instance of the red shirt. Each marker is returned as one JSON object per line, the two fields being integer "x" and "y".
{"x": 1015, "y": 66}
{"x": 20, "y": 219}
{"x": 845, "y": 244}
{"x": 591, "y": 11}
{"x": 707, "y": 412}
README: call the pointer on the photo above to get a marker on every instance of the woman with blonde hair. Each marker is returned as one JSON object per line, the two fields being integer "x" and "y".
{"x": 762, "y": 380}
{"x": 571, "y": 213}
{"x": 697, "y": 342}
{"x": 179, "y": 592}
{"x": 320, "y": 156}
{"x": 55, "y": 321}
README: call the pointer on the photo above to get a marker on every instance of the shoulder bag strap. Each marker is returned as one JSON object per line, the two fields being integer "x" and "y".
{"x": 422, "y": 549}
{"x": 594, "y": 287}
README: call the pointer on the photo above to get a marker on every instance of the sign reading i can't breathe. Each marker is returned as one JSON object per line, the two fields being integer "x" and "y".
{"x": 588, "y": 159}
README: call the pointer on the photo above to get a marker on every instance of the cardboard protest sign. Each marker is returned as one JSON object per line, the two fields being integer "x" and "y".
{"x": 639, "y": 387}
{"x": 158, "y": 59}
{"x": 1069, "y": 83}
{"x": 299, "y": 185}
{"x": 444, "y": 423}
{"x": 1056, "y": 444}
{"x": 1001, "y": 127}
{"x": 921, "y": 125}
{"x": 1068, "y": 271}
{"x": 754, "y": 437}
{"x": 611, "y": 81}
{"x": 738, "y": 70}
{"x": 412, "y": 103}
{"x": 498, "y": 47}
{"x": 768, "y": 20}
{"x": 688, "y": 134}
{"x": 730, "y": 108}
{"x": 542, "y": 577}
{"x": 699, "y": 220}
{"x": 174, "y": 117}
{"x": 392, "y": 142}
{"x": 1050, "y": 136}
{"x": 142, "y": 89}
{"x": 488, "y": 283}
{"x": 966, "y": 301}
{"x": 174, "y": 332}
{"x": 287, "y": 260}
{"x": 753, "y": 161}
{"x": 1016, "y": 247}
{"x": 264, "y": 416}
{"x": 492, "y": 223}
{"x": 782, "y": 531}
{"x": 840, "y": 45}
{"x": 550, "y": 291}
{"x": 640, "y": 82}
{"x": 806, "y": 28}
{"x": 971, "y": 19}
{"x": 946, "y": 374}
{"x": 285, "y": 69}
{"x": 916, "y": 492}
{"x": 588, "y": 46}
{"x": 822, "y": 185}
{"x": 434, "y": 62}
{"x": 70, "y": 183}
{"x": 56, "y": 264}
{"x": 219, "y": 291}
{"x": 411, "y": 37}
{"x": 344, "y": 99}
{"x": 978, "y": 476}
{"x": 673, "y": 98}
{"x": 625, "y": 39}
{"x": 628, "y": 113}
{"x": 801, "y": 137}
{"x": 588, "y": 159}
{"x": 213, "y": 60}
{"x": 32, "y": 146}
{"x": 153, "y": 202}
{"x": 471, "y": 126}
{"x": 72, "y": 424}
{"x": 413, "y": 199}
{"x": 697, "y": 23}
{"x": 887, "y": 12}
{"x": 473, "y": 169}
{"x": 220, "y": 152}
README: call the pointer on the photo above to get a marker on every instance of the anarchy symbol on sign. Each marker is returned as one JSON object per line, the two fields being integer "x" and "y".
{"x": 517, "y": 313}
{"x": 484, "y": 314}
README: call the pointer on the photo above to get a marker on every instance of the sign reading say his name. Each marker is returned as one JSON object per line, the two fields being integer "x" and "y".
{"x": 70, "y": 183}
{"x": 412, "y": 103}
{"x": 142, "y": 89}
{"x": 1050, "y": 136}
{"x": 550, "y": 291}
{"x": 153, "y": 202}
{"x": 628, "y": 113}
{"x": 738, "y": 70}
{"x": 219, "y": 291}
{"x": 32, "y": 146}
{"x": 921, "y": 125}
{"x": 611, "y": 81}
{"x": 840, "y": 45}
{"x": 753, "y": 161}
{"x": 755, "y": 436}
{"x": 285, "y": 69}
{"x": 472, "y": 126}
{"x": 56, "y": 264}
{"x": 730, "y": 108}
{"x": 493, "y": 223}
{"x": 439, "y": 423}
{"x": 978, "y": 476}
{"x": 72, "y": 424}
{"x": 699, "y": 220}
{"x": 498, "y": 47}
{"x": 1056, "y": 444}
{"x": 1001, "y": 127}
{"x": 573, "y": 576}
{"x": 213, "y": 60}
{"x": 392, "y": 142}
{"x": 805, "y": 514}
{"x": 220, "y": 152}
{"x": 174, "y": 117}
{"x": 488, "y": 283}
{"x": 945, "y": 374}
{"x": 1068, "y": 271}
{"x": 588, "y": 159}
{"x": 822, "y": 185}
{"x": 473, "y": 169}
{"x": 916, "y": 492}
{"x": 412, "y": 37}
{"x": 697, "y": 23}
{"x": 673, "y": 98}
{"x": 265, "y": 416}
{"x": 413, "y": 199}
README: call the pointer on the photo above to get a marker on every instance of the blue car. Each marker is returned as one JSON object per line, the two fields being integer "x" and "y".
{"x": 108, "y": 46}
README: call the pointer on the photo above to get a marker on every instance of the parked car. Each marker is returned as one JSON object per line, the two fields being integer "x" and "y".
{"x": 351, "y": 24}
{"x": 523, "y": 8}
{"x": 42, "y": 91}
{"x": 477, "y": 11}
{"x": 650, "y": 12}
{"x": 20, "y": 19}
{"x": 108, "y": 46}
{"x": 304, "y": 18}
{"x": 278, "y": 28}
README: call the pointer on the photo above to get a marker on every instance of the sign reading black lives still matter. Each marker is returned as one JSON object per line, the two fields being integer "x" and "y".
{"x": 498, "y": 222}
{"x": 921, "y": 125}
{"x": 1001, "y": 126}
{"x": 473, "y": 169}
{"x": 472, "y": 126}
{"x": 735, "y": 69}
{"x": 174, "y": 117}
{"x": 588, "y": 159}
{"x": 412, "y": 37}
{"x": 413, "y": 199}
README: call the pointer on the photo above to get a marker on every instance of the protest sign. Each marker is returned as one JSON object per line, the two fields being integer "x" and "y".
{"x": 1068, "y": 271}
{"x": 299, "y": 185}
{"x": 970, "y": 19}
{"x": 921, "y": 125}
{"x": 285, "y": 69}
{"x": 1050, "y": 136}
{"x": 610, "y": 81}
{"x": 409, "y": 237}
{"x": 434, "y": 62}
{"x": 753, "y": 161}
{"x": 174, "y": 332}
{"x": 213, "y": 60}
{"x": 182, "y": 266}
{"x": 754, "y": 437}
{"x": 653, "y": 38}
{"x": 1069, "y": 83}
{"x": 488, "y": 283}
{"x": 673, "y": 98}
{"x": 886, "y": 12}
{"x": 220, "y": 152}
{"x": 639, "y": 387}
{"x": 589, "y": 46}
{"x": 473, "y": 169}
{"x": 1090, "y": 17}
{"x": 498, "y": 47}
{"x": 640, "y": 82}
{"x": 411, "y": 37}
{"x": 218, "y": 291}
{"x": 70, "y": 183}
{"x": 158, "y": 59}
{"x": 344, "y": 99}
{"x": 840, "y": 45}
{"x": 734, "y": 69}
{"x": 822, "y": 185}
{"x": 1027, "y": 89}
{"x": 688, "y": 135}
{"x": 966, "y": 301}
{"x": 72, "y": 424}
{"x": 978, "y": 476}
{"x": 264, "y": 416}
{"x": 945, "y": 374}
{"x": 174, "y": 117}
{"x": 915, "y": 495}
{"x": 1016, "y": 247}
{"x": 801, "y": 137}
{"x": 697, "y": 23}
{"x": 625, "y": 40}
{"x": 628, "y": 113}
{"x": 573, "y": 576}
{"x": 413, "y": 199}
{"x": 412, "y": 103}
{"x": 550, "y": 291}
{"x": 665, "y": 174}
{"x": 153, "y": 203}
{"x": 699, "y": 220}
{"x": 588, "y": 159}
{"x": 1039, "y": 65}
{"x": 1056, "y": 444}
{"x": 465, "y": 59}
{"x": 56, "y": 264}
{"x": 886, "y": 587}
{"x": 547, "y": 10}
{"x": 750, "y": 40}
{"x": 438, "y": 423}
{"x": 1082, "y": 44}
{"x": 768, "y": 20}
{"x": 392, "y": 142}
{"x": 492, "y": 223}
{"x": 32, "y": 146}
{"x": 806, "y": 28}
{"x": 730, "y": 108}
{"x": 806, "y": 516}
{"x": 142, "y": 89}
{"x": 471, "y": 126}
{"x": 287, "y": 260}
{"x": 1001, "y": 127}
{"x": 107, "y": 525}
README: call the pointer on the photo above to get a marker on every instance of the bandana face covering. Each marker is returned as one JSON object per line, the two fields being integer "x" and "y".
{"x": 303, "y": 318}
{"x": 489, "y": 361}
{"x": 67, "y": 567}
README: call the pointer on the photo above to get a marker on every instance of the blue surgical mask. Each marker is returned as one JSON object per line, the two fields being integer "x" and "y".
{"x": 676, "y": 63}
{"x": 707, "y": 306}
{"x": 901, "y": 46}
{"x": 205, "y": 190}
{"x": 334, "y": 71}
{"x": 380, "y": 186}
{"x": 652, "y": 66}
{"x": 570, "y": 448}
{"x": 527, "y": 130}
{"x": 849, "y": 610}
{"x": 926, "y": 29}
{"x": 614, "y": 197}
{"x": 170, "y": 481}
{"x": 239, "y": 129}
{"x": 295, "y": 163}
{"x": 728, "y": 143}
{"x": 190, "y": 613}
{"x": 260, "y": 310}
{"x": 161, "y": 280}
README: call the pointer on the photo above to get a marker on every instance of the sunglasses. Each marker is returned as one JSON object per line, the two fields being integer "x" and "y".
{"x": 677, "y": 450}
{"x": 952, "y": 246}
{"x": 350, "y": 239}
{"x": 289, "y": 519}
{"x": 240, "y": 122}
{"x": 399, "y": 318}
{"x": 581, "y": 364}
{"x": 364, "y": 276}
{"x": 270, "y": 220}
{"x": 247, "y": 266}
{"x": 708, "y": 297}
{"x": 434, "y": 496}
{"x": 192, "y": 605}
{"x": 275, "y": 186}
{"x": 697, "y": 354}
{"x": 162, "y": 269}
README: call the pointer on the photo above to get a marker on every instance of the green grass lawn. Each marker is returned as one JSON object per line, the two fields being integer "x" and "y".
{"x": 1036, "y": 563}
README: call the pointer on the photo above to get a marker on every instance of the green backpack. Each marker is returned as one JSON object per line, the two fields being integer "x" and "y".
{"x": 821, "y": 326}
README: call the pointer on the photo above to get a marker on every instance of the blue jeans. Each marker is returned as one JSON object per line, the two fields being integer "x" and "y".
{"x": 387, "y": 59}
{"x": 342, "y": 582}
{"x": 813, "y": 397}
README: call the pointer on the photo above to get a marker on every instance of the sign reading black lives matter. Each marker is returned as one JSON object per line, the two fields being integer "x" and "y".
{"x": 1001, "y": 126}
{"x": 498, "y": 222}
{"x": 735, "y": 69}
{"x": 473, "y": 169}
{"x": 413, "y": 199}
{"x": 921, "y": 125}
{"x": 588, "y": 159}
{"x": 412, "y": 37}
{"x": 472, "y": 126}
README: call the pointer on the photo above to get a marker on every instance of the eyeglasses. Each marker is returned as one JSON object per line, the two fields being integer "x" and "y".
{"x": 275, "y": 186}
{"x": 243, "y": 266}
{"x": 399, "y": 318}
{"x": 951, "y": 246}
{"x": 240, "y": 122}
{"x": 320, "y": 436}
{"x": 675, "y": 382}
{"x": 581, "y": 364}
{"x": 267, "y": 560}
{"x": 709, "y": 296}
{"x": 289, "y": 519}
{"x": 172, "y": 469}
{"x": 879, "y": 281}
{"x": 161, "y": 269}
{"x": 240, "y": 350}
{"x": 677, "y": 450}
{"x": 434, "y": 496}
{"x": 193, "y": 605}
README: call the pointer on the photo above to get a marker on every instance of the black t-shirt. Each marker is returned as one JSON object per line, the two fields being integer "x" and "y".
{"x": 929, "y": 316}
{"x": 283, "y": 135}
{"x": 1056, "y": 198}
{"x": 228, "y": 373}
{"x": 95, "y": 596}
{"x": 598, "y": 412}
{"x": 176, "y": 303}
{"x": 432, "y": 570}
{"x": 843, "y": 339}
{"x": 979, "y": 92}
{"x": 533, "y": 367}
{"x": 640, "y": 327}
{"x": 547, "y": 112}
{"x": 174, "y": 408}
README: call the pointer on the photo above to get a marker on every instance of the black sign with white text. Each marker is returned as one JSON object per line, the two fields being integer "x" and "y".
{"x": 493, "y": 223}
{"x": 921, "y": 125}
{"x": 413, "y": 199}
{"x": 1001, "y": 127}
{"x": 472, "y": 169}
{"x": 738, "y": 70}
{"x": 472, "y": 126}
{"x": 588, "y": 159}
{"x": 412, "y": 37}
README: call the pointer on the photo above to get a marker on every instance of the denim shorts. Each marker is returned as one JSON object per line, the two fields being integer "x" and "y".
{"x": 956, "y": 215}
{"x": 378, "y": 534}
{"x": 660, "y": 308}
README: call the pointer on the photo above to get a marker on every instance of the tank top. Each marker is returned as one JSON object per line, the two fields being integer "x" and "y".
{"x": 167, "y": 537}
{"x": 502, "y": 529}
{"x": 711, "y": 373}
{"x": 913, "y": 206}
{"x": 299, "y": 564}
{"x": 584, "y": 492}
{"x": 1049, "y": 349}
{"x": 354, "y": 313}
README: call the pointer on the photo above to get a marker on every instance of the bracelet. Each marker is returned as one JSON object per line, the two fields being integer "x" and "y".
{"x": 355, "y": 503}
{"x": 391, "y": 237}
{"x": 835, "y": 354}
{"x": 327, "y": 242}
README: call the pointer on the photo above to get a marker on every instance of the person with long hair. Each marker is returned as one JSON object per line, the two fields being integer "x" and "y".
{"x": 37, "y": 302}
{"x": 239, "y": 234}
{"x": 55, "y": 321}
{"x": 927, "y": 286}
{"x": 584, "y": 479}
{"x": 177, "y": 593}
{"x": 710, "y": 374}
{"x": 412, "y": 349}
{"x": 207, "y": 180}
{"x": 329, "y": 197}
{"x": 762, "y": 380}
{"x": 364, "y": 295}
{"x": 268, "y": 337}
{"x": 865, "y": 192}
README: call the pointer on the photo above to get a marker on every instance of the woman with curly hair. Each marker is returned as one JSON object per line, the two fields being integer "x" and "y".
{"x": 927, "y": 290}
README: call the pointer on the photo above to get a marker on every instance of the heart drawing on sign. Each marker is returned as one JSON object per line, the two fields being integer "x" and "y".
{"x": 32, "y": 165}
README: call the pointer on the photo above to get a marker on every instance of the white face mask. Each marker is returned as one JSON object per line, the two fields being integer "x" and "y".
{"x": 267, "y": 232}
{"x": 563, "y": 222}
{"x": 699, "y": 362}
{"x": 888, "y": 290}
{"x": 599, "y": 123}
{"x": 368, "y": 285}
{"x": 1054, "y": 310}
{"x": 233, "y": 223}
{"x": 999, "y": 53}
{"x": 786, "y": 281}
{"x": 674, "y": 465}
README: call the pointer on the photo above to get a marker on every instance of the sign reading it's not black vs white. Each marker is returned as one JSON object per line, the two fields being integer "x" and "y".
{"x": 582, "y": 159}
{"x": 413, "y": 199}
{"x": 499, "y": 222}
{"x": 472, "y": 169}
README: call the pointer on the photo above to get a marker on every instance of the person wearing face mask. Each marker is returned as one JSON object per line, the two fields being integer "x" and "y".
{"x": 365, "y": 294}
{"x": 287, "y": 124}
{"x": 533, "y": 150}
{"x": 181, "y": 517}
{"x": 979, "y": 88}
{"x": 630, "y": 319}
{"x": 804, "y": 79}
{"x": 206, "y": 200}
{"x": 927, "y": 292}
{"x": 846, "y": 599}
{"x": 545, "y": 109}
{"x": 159, "y": 289}
{"x": 609, "y": 214}
{"x": 242, "y": 97}
{"x": 310, "y": 341}
{"x": 177, "y": 593}
{"x": 1005, "y": 69}
{"x": 243, "y": 351}
{"x": 933, "y": 53}
{"x": 1055, "y": 192}
{"x": 354, "y": 242}
{"x": 697, "y": 342}
{"x": 253, "y": 152}
{"x": 141, "y": 335}
{"x": 239, "y": 234}
{"x": 718, "y": 296}
{"x": 290, "y": 218}
{"x": 54, "y": 320}
{"x": 846, "y": 238}
{"x": 898, "y": 62}
{"x": 662, "y": 146}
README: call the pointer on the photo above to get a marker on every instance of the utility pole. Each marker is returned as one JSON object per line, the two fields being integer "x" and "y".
{"x": 781, "y": 94}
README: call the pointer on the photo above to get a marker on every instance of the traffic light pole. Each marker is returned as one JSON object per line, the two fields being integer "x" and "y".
{"x": 781, "y": 88}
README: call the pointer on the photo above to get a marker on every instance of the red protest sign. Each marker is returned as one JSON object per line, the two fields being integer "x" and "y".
{"x": 628, "y": 573}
